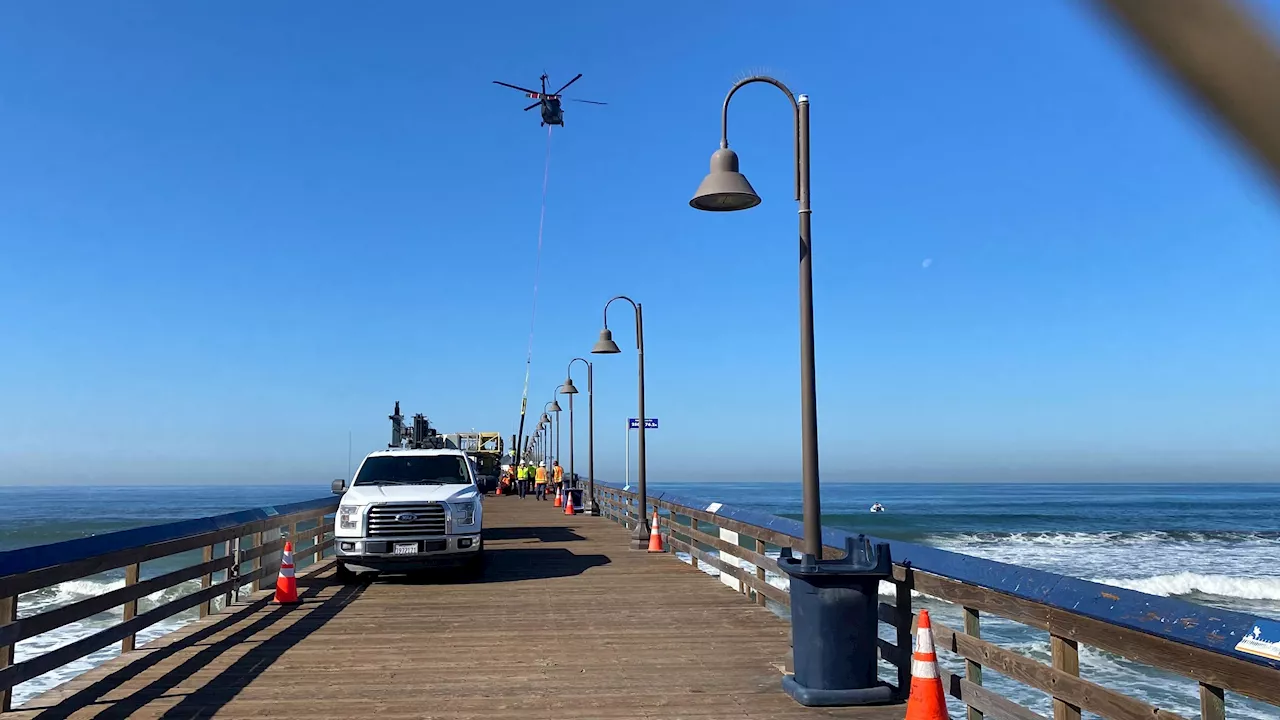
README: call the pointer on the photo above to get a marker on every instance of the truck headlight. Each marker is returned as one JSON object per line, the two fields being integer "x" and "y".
{"x": 463, "y": 513}
{"x": 349, "y": 517}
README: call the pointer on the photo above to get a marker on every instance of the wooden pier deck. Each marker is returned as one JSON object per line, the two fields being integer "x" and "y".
{"x": 566, "y": 623}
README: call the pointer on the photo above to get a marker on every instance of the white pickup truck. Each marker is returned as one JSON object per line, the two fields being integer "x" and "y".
{"x": 409, "y": 511}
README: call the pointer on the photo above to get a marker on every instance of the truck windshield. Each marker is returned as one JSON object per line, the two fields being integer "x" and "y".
{"x": 414, "y": 470}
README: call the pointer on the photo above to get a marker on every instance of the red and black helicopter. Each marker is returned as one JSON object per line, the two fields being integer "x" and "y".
{"x": 552, "y": 114}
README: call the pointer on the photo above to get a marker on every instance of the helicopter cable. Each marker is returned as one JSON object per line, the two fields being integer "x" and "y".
{"x": 537, "y": 268}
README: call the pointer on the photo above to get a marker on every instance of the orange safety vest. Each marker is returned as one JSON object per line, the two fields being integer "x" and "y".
{"x": 559, "y": 473}
{"x": 542, "y": 476}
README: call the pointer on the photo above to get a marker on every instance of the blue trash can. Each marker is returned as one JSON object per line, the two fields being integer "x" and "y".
{"x": 834, "y": 626}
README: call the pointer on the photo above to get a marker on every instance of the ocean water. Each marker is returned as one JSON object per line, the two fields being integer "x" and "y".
{"x": 1217, "y": 545}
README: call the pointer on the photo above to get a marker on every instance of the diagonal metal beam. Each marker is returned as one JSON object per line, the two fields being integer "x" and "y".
{"x": 1222, "y": 55}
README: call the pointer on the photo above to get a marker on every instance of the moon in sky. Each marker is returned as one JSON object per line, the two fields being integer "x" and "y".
{"x": 927, "y": 262}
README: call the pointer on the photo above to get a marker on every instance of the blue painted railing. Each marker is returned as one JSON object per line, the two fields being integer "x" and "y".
{"x": 1196, "y": 625}
{"x": 23, "y": 560}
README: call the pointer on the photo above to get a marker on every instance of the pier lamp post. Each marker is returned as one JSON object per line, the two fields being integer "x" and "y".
{"x": 546, "y": 420}
{"x": 606, "y": 346}
{"x": 569, "y": 389}
{"x": 833, "y": 603}
{"x": 554, "y": 406}
{"x": 726, "y": 189}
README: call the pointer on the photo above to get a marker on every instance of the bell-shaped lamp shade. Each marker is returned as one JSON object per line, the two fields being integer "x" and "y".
{"x": 568, "y": 387}
{"x": 724, "y": 188}
{"x": 555, "y": 406}
{"x": 605, "y": 345}
{"x": 546, "y": 418}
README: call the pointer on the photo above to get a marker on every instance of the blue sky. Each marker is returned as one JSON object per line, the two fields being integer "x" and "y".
{"x": 230, "y": 234}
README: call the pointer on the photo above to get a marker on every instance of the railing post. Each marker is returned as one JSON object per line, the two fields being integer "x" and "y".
{"x": 206, "y": 580}
{"x": 761, "y": 600}
{"x": 8, "y": 615}
{"x": 693, "y": 525}
{"x": 1066, "y": 657}
{"x": 269, "y": 561}
{"x": 233, "y": 574}
{"x": 257, "y": 562}
{"x": 1213, "y": 705}
{"x": 732, "y": 581}
{"x": 972, "y": 670}
{"x": 320, "y": 522}
{"x": 131, "y": 607}
{"x": 902, "y": 620}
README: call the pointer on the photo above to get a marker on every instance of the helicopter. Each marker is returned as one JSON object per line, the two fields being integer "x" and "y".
{"x": 552, "y": 114}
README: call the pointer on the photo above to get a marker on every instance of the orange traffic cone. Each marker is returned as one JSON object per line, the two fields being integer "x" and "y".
{"x": 655, "y": 534}
{"x": 568, "y": 504}
{"x": 501, "y": 483}
{"x": 286, "y": 583}
{"x": 559, "y": 498}
{"x": 927, "y": 701}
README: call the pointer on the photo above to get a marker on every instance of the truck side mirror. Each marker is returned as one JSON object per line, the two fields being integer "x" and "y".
{"x": 338, "y": 487}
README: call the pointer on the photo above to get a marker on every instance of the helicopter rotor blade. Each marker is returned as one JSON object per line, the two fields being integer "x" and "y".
{"x": 562, "y": 87}
{"x": 516, "y": 87}
{"x": 593, "y": 102}
{"x": 534, "y": 105}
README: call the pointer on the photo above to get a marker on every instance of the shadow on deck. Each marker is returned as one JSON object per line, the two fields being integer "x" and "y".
{"x": 208, "y": 698}
{"x": 565, "y": 623}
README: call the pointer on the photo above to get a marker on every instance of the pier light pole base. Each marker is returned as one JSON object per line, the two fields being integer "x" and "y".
{"x": 834, "y": 626}
{"x": 640, "y": 537}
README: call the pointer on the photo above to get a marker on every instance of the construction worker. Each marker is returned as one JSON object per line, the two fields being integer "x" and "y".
{"x": 522, "y": 479}
{"x": 559, "y": 477}
{"x": 540, "y": 481}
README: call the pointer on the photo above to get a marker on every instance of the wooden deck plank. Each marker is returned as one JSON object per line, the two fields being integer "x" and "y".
{"x": 566, "y": 623}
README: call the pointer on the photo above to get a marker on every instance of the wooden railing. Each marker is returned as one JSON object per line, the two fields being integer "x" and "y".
{"x": 1191, "y": 641}
{"x": 228, "y": 543}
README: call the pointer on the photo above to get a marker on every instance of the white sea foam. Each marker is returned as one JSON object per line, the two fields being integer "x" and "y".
{"x": 1231, "y": 567}
{"x": 1189, "y": 583}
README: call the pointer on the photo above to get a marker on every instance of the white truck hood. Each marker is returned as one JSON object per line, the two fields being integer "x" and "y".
{"x": 369, "y": 494}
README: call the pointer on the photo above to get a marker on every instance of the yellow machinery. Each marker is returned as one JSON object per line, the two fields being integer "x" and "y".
{"x": 486, "y": 448}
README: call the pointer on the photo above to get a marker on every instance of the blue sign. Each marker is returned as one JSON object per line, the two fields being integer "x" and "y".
{"x": 649, "y": 423}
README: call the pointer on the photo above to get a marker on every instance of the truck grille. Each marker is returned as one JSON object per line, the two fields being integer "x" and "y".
{"x": 390, "y": 520}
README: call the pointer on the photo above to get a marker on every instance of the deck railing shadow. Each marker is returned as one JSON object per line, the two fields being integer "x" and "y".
{"x": 261, "y": 617}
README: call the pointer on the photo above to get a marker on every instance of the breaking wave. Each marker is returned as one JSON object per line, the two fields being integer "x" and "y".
{"x": 1190, "y": 583}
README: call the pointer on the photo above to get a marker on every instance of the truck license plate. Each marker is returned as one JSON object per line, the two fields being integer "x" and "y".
{"x": 406, "y": 548}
